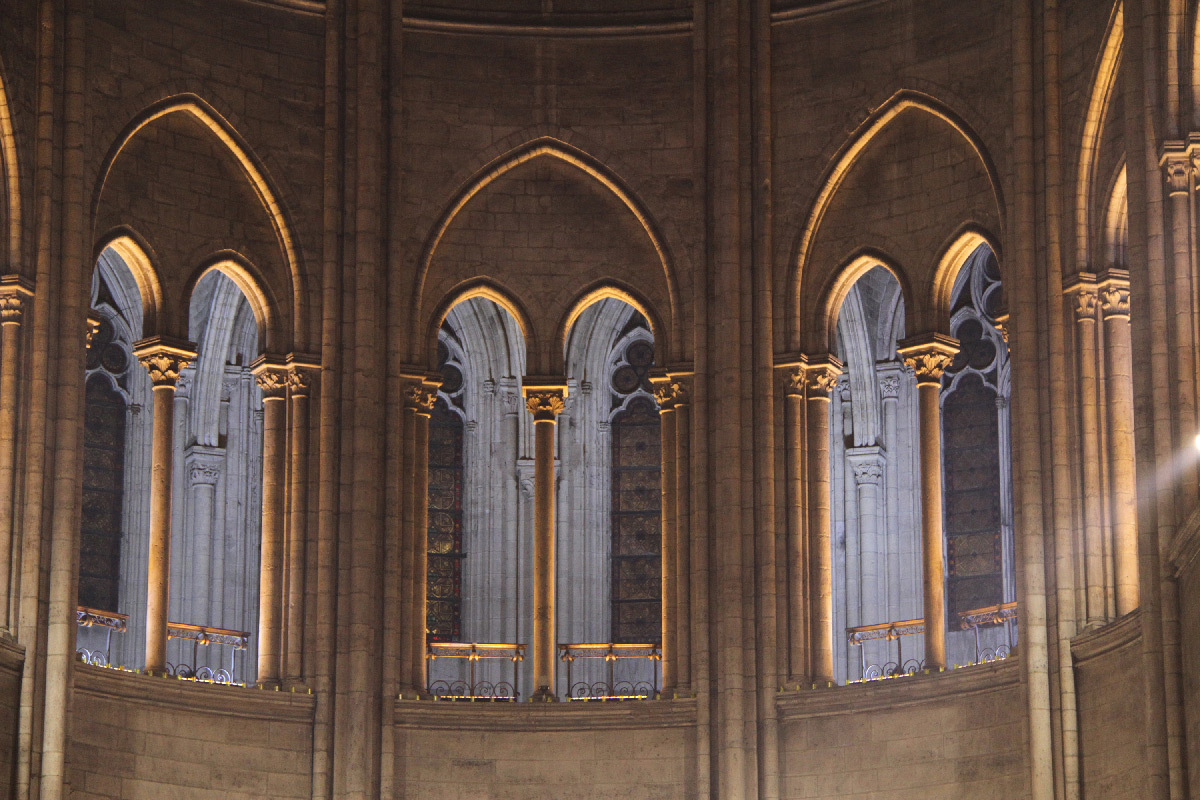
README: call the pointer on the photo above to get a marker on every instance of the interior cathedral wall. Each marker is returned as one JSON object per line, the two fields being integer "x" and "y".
{"x": 633, "y": 106}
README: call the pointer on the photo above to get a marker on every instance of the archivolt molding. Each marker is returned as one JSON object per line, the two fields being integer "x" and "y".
{"x": 555, "y": 148}
{"x": 845, "y": 160}
{"x": 246, "y": 278}
{"x": 1102, "y": 89}
{"x": 954, "y": 257}
{"x": 844, "y": 281}
{"x": 10, "y": 173}
{"x": 254, "y": 171}
{"x": 489, "y": 290}
{"x": 136, "y": 255}
{"x": 627, "y": 296}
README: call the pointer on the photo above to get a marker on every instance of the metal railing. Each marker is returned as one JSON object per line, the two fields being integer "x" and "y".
{"x": 1001, "y": 614}
{"x": 202, "y": 636}
{"x": 472, "y": 688}
{"x": 890, "y": 632}
{"x": 95, "y": 618}
{"x": 614, "y": 687}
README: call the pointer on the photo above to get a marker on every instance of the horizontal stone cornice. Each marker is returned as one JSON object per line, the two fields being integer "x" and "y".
{"x": 565, "y": 716}
{"x": 1095, "y": 643}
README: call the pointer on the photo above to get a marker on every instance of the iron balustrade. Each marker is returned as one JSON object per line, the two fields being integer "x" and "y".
{"x": 202, "y": 636}
{"x": 91, "y": 618}
{"x": 891, "y": 632}
{"x": 473, "y": 689}
{"x": 613, "y": 688}
{"x": 1001, "y": 614}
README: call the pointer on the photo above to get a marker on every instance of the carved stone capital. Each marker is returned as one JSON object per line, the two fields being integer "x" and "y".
{"x": 889, "y": 386}
{"x": 1177, "y": 171}
{"x": 271, "y": 375}
{"x": 1114, "y": 299}
{"x": 163, "y": 359}
{"x": 928, "y": 356}
{"x": 545, "y": 402}
{"x": 421, "y": 397}
{"x": 202, "y": 473}
{"x": 1002, "y": 327}
{"x": 300, "y": 380}
{"x": 91, "y": 329}
{"x": 1086, "y": 299}
{"x": 821, "y": 376}
{"x": 867, "y": 463}
{"x": 14, "y": 297}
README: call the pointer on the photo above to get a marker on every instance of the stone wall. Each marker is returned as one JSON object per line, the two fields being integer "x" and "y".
{"x": 1110, "y": 691}
{"x": 135, "y": 737}
{"x": 640, "y": 751}
{"x": 938, "y": 737}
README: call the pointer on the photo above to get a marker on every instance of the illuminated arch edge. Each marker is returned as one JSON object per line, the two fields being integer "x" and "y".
{"x": 602, "y": 291}
{"x": 250, "y": 283}
{"x": 545, "y": 146}
{"x": 1107, "y": 68}
{"x": 843, "y": 281}
{"x": 137, "y": 255}
{"x": 11, "y": 177}
{"x": 848, "y": 156}
{"x": 254, "y": 171}
{"x": 954, "y": 256}
{"x": 489, "y": 290}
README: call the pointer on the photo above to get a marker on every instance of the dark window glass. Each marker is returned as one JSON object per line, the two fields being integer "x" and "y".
{"x": 637, "y": 523}
{"x": 103, "y": 494}
{"x": 444, "y": 593}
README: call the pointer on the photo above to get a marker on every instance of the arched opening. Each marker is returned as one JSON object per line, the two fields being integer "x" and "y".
{"x": 874, "y": 484}
{"x": 977, "y": 468}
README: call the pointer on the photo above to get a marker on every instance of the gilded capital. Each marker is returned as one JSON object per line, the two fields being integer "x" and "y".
{"x": 163, "y": 359}
{"x": 928, "y": 356}
{"x": 545, "y": 403}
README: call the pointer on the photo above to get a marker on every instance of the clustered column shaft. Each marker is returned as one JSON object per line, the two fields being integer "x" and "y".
{"x": 299, "y": 381}
{"x": 164, "y": 360}
{"x": 929, "y": 356}
{"x": 545, "y": 404}
{"x": 664, "y": 394}
{"x": 683, "y": 539}
{"x": 1118, "y": 377}
{"x": 13, "y": 299}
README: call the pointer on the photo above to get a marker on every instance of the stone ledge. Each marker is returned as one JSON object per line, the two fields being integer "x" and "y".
{"x": 900, "y": 692}
{"x": 12, "y": 656}
{"x": 466, "y": 716}
{"x": 1095, "y": 643}
{"x": 177, "y": 695}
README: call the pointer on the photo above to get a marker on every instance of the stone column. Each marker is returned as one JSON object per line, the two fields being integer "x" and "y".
{"x": 163, "y": 359}
{"x": 544, "y": 403}
{"x": 795, "y": 429}
{"x": 299, "y": 382}
{"x": 13, "y": 300}
{"x": 928, "y": 356}
{"x": 272, "y": 376}
{"x": 889, "y": 388}
{"x": 820, "y": 377}
{"x": 202, "y": 469}
{"x": 1083, "y": 291}
{"x": 664, "y": 393}
{"x": 683, "y": 539}
{"x": 1118, "y": 389}
{"x": 867, "y": 464}
{"x": 422, "y": 397}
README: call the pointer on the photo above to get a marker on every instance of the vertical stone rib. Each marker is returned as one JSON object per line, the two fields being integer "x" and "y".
{"x": 664, "y": 394}
{"x": 797, "y": 603}
{"x": 13, "y": 300}
{"x": 683, "y": 504}
{"x": 820, "y": 377}
{"x": 299, "y": 385}
{"x": 423, "y": 398}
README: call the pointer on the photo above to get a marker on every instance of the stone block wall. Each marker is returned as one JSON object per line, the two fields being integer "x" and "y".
{"x": 449, "y": 751}
{"x": 1110, "y": 690}
{"x": 11, "y": 661}
{"x": 135, "y": 737}
{"x": 938, "y": 737}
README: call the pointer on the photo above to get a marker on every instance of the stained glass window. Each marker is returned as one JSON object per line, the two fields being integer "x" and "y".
{"x": 636, "y": 503}
{"x": 444, "y": 592}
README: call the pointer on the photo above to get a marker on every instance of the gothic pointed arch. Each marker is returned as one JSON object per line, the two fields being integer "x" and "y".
{"x": 1103, "y": 85}
{"x": 137, "y": 257}
{"x": 248, "y": 280}
{"x": 843, "y": 281}
{"x": 617, "y": 208}
{"x": 10, "y": 195}
{"x": 955, "y": 256}
{"x": 282, "y": 246}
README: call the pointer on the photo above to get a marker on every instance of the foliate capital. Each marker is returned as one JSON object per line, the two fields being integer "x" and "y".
{"x": 545, "y": 402}
{"x": 672, "y": 390}
{"x": 1114, "y": 296}
{"x": 204, "y": 474}
{"x": 1086, "y": 299}
{"x": 421, "y": 397}
{"x": 889, "y": 386}
{"x": 271, "y": 375}
{"x": 301, "y": 374}
{"x": 928, "y": 356}
{"x": 867, "y": 472}
{"x": 93, "y": 327}
{"x": 820, "y": 375}
{"x": 14, "y": 296}
{"x": 164, "y": 359}
{"x": 1176, "y": 165}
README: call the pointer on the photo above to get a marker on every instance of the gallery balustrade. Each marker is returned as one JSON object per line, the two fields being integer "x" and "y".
{"x": 632, "y": 671}
{"x": 471, "y": 686}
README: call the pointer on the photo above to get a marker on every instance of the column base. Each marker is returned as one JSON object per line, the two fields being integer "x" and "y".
{"x": 543, "y": 695}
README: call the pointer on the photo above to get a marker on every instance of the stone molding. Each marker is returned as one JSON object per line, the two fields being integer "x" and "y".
{"x": 271, "y": 375}
{"x": 15, "y": 295}
{"x": 582, "y": 717}
{"x": 812, "y": 376}
{"x": 884, "y": 695}
{"x": 928, "y": 356}
{"x": 1094, "y": 643}
{"x": 868, "y": 464}
{"x": 171, "y": 696}
{"x": 1114, "y": 294}
{"x": 164, "y": 358}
